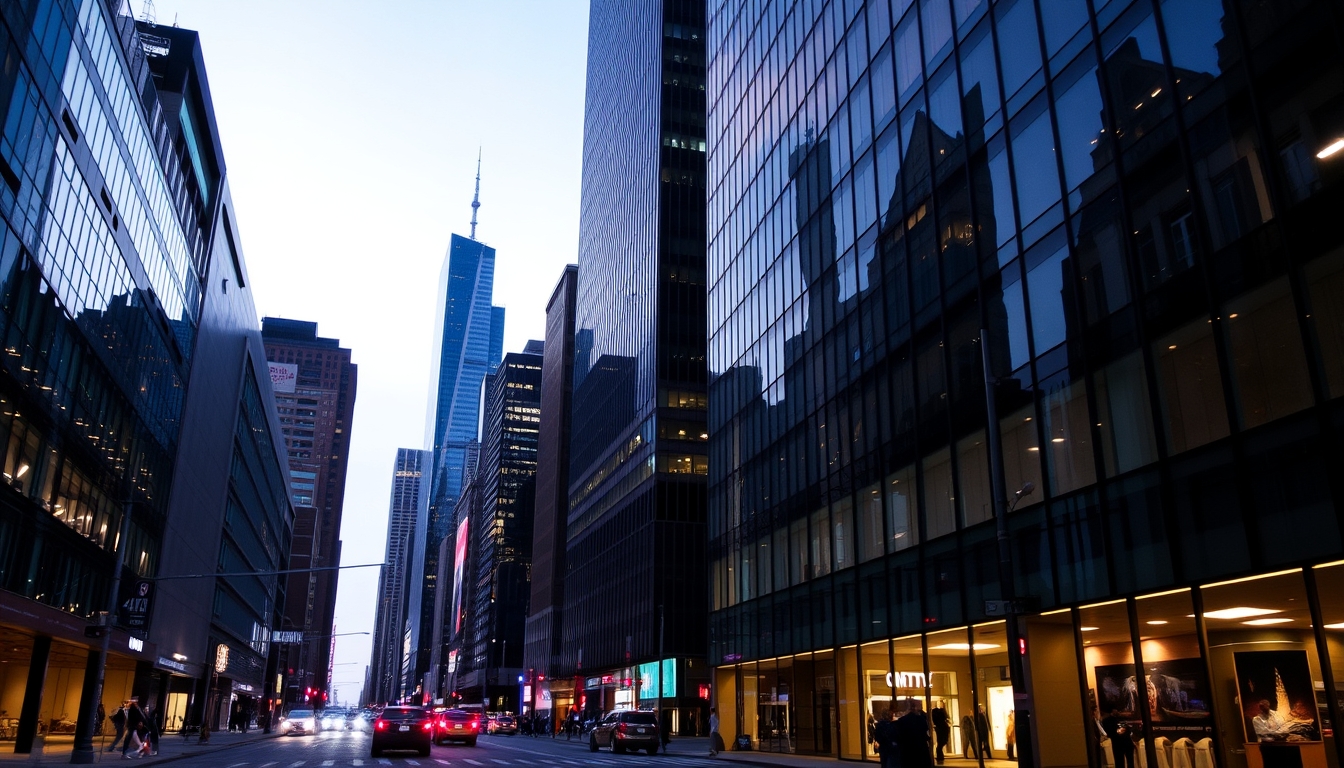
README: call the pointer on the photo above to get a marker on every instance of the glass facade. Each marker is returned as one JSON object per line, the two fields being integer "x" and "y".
{"x": 406, "y": 510}
{"x": 637, "y": 443}
{"x": 1130, "y": 199}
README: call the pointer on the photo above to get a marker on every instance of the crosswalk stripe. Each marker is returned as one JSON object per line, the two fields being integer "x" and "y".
{"x": 473, "y": 762}
{"x": 358, "y": 761}
{"x": 384, "y": 761}
{"x": 328, "y": 762}
{"x": 296, "y": 763}
{"x": 412, "y": 762}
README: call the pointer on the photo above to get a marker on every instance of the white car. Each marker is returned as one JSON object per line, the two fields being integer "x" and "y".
{"x": 298, "y": 723}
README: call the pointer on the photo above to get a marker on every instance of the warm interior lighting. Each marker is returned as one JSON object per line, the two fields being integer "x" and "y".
{"x": 963, "y": 647}
{"x": 1265, "y": 622}
{"x": 1157, "y": 622}
{"x": 1173, "y": 346}
{"x": 1154, "y": 93}
{"x": 1056, "y": 439}
{"x": 1088, "y": 629}
{"x": 1240, "y": 612}
{"x": 1330, "y": 149}
{"x": 23, "y": 469}
{"x": 1337, "y": 625}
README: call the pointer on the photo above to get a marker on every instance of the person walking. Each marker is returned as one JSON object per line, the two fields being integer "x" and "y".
{"x": 118, "y": 719}
{"x": 982, "y": 731}
{"x": 135, "y": 720}
{"x": 942, "y": 730}
{"x": 1010, "y": 735}
{"x": 152, "y": 724}
{"x": 715, "y": 741}
{"x": 912, "y": 737}
{"x": 664, "y": 729}
{"x": 884, "y": 737}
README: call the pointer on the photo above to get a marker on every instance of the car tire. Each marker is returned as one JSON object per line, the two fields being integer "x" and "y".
{"x": 376, "y": 752}
{"x": 592, "y": 742}
{"x": 653, "y": 750}
{"x": 471, "y": 743}
{"x": 616, "y": 749}
{"x": 424, "y": 751}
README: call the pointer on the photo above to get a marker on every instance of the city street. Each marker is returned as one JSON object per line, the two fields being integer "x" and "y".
{"x": 344, "y": 749}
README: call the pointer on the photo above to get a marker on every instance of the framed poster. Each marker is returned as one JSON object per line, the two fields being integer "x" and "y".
{"x": 1175, "y": 691}
{"x": 1278, "y": 702}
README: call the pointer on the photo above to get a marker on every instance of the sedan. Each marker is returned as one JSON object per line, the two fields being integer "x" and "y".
{"x": 457, "y": 725}
{"x": 403, "y": 728}
{"x": 506, "y": 724}
{"x": 298, "y": 722}
{"x": 626, "y": 729}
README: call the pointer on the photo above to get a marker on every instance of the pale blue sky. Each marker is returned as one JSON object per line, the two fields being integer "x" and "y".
{"x": 350, "y": 131}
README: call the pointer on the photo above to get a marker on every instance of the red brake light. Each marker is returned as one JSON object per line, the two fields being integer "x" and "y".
{"x": 380, "y": 725}
{"x": 475, "y": 724}
{"x": 429, "y": 725}
{"x": 620, "y": 728}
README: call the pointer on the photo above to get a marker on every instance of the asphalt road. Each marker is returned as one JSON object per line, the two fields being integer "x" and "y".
{"x": 344, "y": 749}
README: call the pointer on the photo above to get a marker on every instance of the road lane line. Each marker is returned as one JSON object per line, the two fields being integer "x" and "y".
{"x": 473, "y": 762}
{"x": 328, "y": 762}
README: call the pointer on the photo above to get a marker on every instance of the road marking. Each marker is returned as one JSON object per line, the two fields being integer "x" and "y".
{"x": 501, "y": 762}
{"x": 296, "y": 763}
{"x": 263, "y": 765}
{"x": 328, "y": 762}
{"x": 473, "y": 762}
{"x": 358, "y": 761}
{"x": 411, "y": 762}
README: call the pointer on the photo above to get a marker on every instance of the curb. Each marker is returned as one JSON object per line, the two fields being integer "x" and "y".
{"x": 210, "y": 748}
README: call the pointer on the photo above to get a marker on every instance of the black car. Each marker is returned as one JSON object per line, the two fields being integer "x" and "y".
{"x": 624, "y": 730}
{"x": 403, "y": 728}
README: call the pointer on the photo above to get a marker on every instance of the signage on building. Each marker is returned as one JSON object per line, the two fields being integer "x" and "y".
{"x": 906, "y": 680}
{"x": 244, "y": 687}
{"x": 221, "y": 658}
{"x": 728, "y": 658}
{"x": 136, "y": 608}
{"x": 290, "y": 638}
{"x": 135, "y": 644}
{"x": 284, "y": 376}
{"x": 592, "y": 682}
{"x": 170, "y": 664}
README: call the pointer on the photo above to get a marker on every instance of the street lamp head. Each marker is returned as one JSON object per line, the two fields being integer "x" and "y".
{"x": 1027, "y": 488}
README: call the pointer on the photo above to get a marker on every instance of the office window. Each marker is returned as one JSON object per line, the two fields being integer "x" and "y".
{"x": 1124, "y": 416}
{"x": 1193, "y": 409}
{"x": 902, "y": 510}
{"x": 1268, "y": 365}
{"x": 870, "y": 531}
{"x": 940, "y": 516}
{"x": 1325, "y": 284}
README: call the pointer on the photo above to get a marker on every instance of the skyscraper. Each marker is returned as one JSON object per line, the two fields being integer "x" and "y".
{"x": 314, "y": 384}
{"x": 468, "y": 342}
{"x": 635, "y": 526}
{"x": 1104, "y": 220}
{"x": 406, "y": 515}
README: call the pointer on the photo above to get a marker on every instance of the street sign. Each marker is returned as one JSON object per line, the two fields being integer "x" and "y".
{"x": 136, "y": 608}
{"x": 287, "y": 637}
{"x": 1030, "y": 604}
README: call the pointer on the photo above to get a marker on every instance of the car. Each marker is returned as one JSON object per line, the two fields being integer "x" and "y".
{"x": 298, "y": 722}
{"x": 506, "y": 724}
{"x": 403, "y": 728}
{"x": 334, "y": 719}
{"x": 626, "y": 729}
{"x": 457, "y": 725}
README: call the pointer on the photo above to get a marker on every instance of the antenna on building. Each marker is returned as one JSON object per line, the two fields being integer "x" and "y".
{"x": 476, "y": 200}
{"x": 147, "y": 13}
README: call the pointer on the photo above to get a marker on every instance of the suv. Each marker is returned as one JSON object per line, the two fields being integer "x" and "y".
{"x": 403, "y": 728}
{"x": 624, "y": 730}
{"x": 457, "y": 725}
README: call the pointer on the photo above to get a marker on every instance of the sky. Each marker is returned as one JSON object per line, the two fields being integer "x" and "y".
{"x": 350, "y": 132}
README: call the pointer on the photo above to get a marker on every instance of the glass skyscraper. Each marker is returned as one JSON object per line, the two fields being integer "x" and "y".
{"x": 1133, "y": 200}
{"x": 634, "y": 528}
{"x": 468, "y": 345}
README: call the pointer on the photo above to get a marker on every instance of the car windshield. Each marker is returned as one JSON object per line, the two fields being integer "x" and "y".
{"x": 457, "y": 714}
{"x": 298, "y": 714}
{"x": 640, "y": 718}
{"x": 403, "y": 713}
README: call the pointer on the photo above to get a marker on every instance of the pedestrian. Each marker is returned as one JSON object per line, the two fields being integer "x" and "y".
{"x": 884, "y": 737}
{"x": 982, "y": 731}
{"x": 118, "y": 719}
{"x": 715, "y": 741}
{"x": 942, "y": 730}
{"x": 135, "y": 719}
{"x": 1010, "y": 735}
{"x": 152, "y": 723}
{"x": 912, "y": 737}
{"x": 664, "y": 729}
{"x": 1122, "y": 746}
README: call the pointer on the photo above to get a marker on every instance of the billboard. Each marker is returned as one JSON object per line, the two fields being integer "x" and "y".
{"x": 284, "y": 376}
{"x": 459, "y": 568}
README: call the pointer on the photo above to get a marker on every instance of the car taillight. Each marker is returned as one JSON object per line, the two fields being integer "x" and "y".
{"x": 429, "y": 725}
{"x": 380, "y": 725}
{"x": 621, "y": 729}
{"x": 475, "y": 724}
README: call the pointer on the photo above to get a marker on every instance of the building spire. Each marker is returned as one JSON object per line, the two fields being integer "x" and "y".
{"x": 476, "y": 200}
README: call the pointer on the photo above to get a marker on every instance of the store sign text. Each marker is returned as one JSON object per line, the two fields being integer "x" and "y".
{"x": 906, "y": 680}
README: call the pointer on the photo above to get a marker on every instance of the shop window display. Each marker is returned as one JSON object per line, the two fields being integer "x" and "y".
{"x": 994, "y": 708}
{"x": 949, "y": 690}
{"x": 1176, "y": 689}
{"x": 1112, "y": 689}
{"x": 1330, "y": 592}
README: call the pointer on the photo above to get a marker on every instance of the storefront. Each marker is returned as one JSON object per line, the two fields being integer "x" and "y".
{"x": 1246, "y": 673}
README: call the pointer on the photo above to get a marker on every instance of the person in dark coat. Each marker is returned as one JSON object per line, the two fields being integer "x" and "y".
{"x": 884, "y": 736}
{"x": 982, "y": 731}
{"x": 912, "y": 737}
{"x": 118, "y": 719}
{"x": 135, "y": 720}
{"x": 1122, "y": 745}
{"x": 942, "y": 729}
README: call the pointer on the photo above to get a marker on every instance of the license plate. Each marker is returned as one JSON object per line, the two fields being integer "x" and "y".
{"x": 641, "y": 730}
{"x": 457, "y": 727}
{"x": 404, "y": 728}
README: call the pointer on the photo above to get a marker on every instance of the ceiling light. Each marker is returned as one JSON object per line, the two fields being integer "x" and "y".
{"x": 1264, "y": 622}
{"x": 1240, "y": 612}
{"x": 1158, "y": 622}
{"x": 1088, "y": 629}
{"x": 1330, "y": 149}
{"x": 963, "y": 647}
{"x": 1337, "y": 625}
{"x": 1056, "y": 439}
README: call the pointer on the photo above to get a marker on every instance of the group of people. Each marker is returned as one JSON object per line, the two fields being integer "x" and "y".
{"x": 904, "y": 742}
{"x": 974, "y": 738}
{"x": 137, "y": 732}
{"x": 240, "y": 716}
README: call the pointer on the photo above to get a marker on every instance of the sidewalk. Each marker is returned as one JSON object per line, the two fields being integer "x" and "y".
{"x": 171, "y": 747}
{"x": 698, "y": 746}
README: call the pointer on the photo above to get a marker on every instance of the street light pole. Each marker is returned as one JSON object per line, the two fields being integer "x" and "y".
{"x": 83, "y": 752}
{"x": 1016, "y": 644}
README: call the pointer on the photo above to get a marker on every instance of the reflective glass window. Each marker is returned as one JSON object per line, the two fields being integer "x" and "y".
{"x": 1034, "y": 164}
{"x": 883, "y": 88}
{"x": 1048, "y": 285}
{"x": 966, "y": 9}
{"x": 1062, "y": 20}
{"x": 1195, "y": 38}
{"x": 1099, "y": 244}
{"x": 779, "y": 550}
{"x": 1019, "y": 45}
{"x": 1269, "y": 368}
{"x": 945, "y": 102}
{"x": 1193, "y": 409}
{"x": 975, "y": 499}
{"x": 842, "y": 533}
{"x": 821, "y": 544}
{"x": 1012, "y": 328}
{"x": 871, "y": 534}
{"x": 901, "y": 509}
{"x": 888, "y": 174}
{"x": 865, "y": 193}
{"x": 1068, "y": 436}
{"x": 1325, "y": 284}
{"x": 1124, "y": 416}
{"x": 798, "y": 543}
{"x": 1078, "y": 107}
{"x": 937, "y": 21}
{"x": 908, "y": 60}
{"x": 940, "y": 517}
{"x": 979, "y": 78}
{"x": 1108, "y": 660}
{"x": 861, "y": 116}
{"x": 1002, "y": 210}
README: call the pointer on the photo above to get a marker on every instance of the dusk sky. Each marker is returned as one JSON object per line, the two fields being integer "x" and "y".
{"x": 350, "y": 131}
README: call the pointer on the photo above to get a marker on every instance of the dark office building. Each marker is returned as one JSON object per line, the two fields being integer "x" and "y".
{"x": 315, "y": 385}
{"x": 541, "y": 643}
{"x": 1135, "y": 201}
{"x": 634, "y": 531}
{"x": 406, "y": 515}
